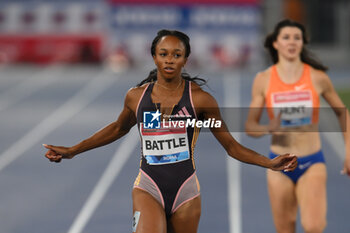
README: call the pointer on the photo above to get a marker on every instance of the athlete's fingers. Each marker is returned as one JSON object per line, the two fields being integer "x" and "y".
{"x": 50, "y": 154}
{"x": 292, "y": 162}
{"x": 274, "y": 126}
{"x": 56, "y": 149}
{"x": 53, "y": 156}
{"x": 345, "y": 172}
{"x": 279, "y": 115}
{"x": 291, "y": 168}
{"x": 290, "y": 165}
{"x": 283, "y": 162}
{"x": 289, "y": 157}
{"x": 346, "y": 167}
{"x": 56, "y": 159}
{"x": 47, "y": 146}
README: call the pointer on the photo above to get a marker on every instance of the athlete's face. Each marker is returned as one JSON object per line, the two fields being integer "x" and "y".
{"x": 289, "y": 43}
{"x": 170, "y": 57}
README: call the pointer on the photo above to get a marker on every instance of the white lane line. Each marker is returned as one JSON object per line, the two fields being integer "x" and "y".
{"x": 112, "y": 171}
{"x": 30, "y": 85}
{"x": 74, "y": 105}
{"x": 331, "y": 132}
{"x": 232, "y": 99}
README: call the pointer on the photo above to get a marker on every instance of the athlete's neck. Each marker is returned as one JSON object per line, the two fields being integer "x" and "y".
{"x": 290, "y": 71}
{"x": 170, "y": 85}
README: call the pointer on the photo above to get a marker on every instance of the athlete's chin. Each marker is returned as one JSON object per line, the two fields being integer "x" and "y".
{"x": 292, "y": 58}
{"x": 170, "y": 76}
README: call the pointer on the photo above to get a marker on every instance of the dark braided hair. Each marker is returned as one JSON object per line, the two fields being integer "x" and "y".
{"x": 306, "y": 56}
{"x": 152, "y": 77}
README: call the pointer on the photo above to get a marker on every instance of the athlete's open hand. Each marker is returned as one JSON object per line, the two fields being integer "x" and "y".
{"x": 274, "y": 125}
{"x": 57, "y": 153}
{"x": 286, "y": 162}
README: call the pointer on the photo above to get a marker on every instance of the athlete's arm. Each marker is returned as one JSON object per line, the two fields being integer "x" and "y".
{"x": 208, "y": 108}
{"x": 108, "y": 134}
{"x": 253, "y": 127}
{"x": 331, "y": 96}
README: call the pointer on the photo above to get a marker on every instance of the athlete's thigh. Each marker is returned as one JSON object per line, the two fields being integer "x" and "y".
{"x": 282, "y": 198}
{"x": 186, "y": 218}
{"x": 312, "y": 194}
{"x": 149, "y": 216}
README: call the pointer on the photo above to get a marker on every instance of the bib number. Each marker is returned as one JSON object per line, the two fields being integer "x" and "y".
{"x": 165, "y": 145}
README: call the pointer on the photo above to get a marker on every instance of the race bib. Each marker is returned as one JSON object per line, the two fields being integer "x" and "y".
{"x": 295, "y": 107}
{"x": 164, "y": 145}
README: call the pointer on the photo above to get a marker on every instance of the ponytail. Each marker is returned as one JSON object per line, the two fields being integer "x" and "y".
{"x": 152, "y": 77}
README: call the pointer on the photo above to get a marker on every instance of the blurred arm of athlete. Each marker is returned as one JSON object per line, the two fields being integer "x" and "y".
{"x": 252, "y": 127}
{"x": 108, "y": 134}
{"x": 331, "y": 96}
{"x": 207, "y": 106}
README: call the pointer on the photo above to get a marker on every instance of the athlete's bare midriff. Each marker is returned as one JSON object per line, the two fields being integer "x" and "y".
{"x": 302, "y": 141}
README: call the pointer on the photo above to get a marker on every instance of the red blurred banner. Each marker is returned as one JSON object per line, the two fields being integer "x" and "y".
{"x": 50, "y": 48}
{"x": 185, "y": 2}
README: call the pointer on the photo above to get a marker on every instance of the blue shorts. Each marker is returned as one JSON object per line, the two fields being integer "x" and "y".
{"x": 303, "y": 164}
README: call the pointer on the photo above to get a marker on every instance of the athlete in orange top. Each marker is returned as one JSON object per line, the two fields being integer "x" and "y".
{"x": 298, "y": 101}
{"x": 290, "y": 90}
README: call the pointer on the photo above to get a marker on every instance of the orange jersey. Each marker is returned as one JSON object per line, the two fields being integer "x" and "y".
{"x": 297, "y": 102}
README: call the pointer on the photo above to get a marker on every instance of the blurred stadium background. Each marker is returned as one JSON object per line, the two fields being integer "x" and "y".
{"x": 48, "y": 31}
{"x": 65, "y": 66}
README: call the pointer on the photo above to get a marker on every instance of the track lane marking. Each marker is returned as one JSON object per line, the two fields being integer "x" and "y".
{"x": 232, "y": 99}
{"x": 37, "y": 81}
{"x": 112, "y": 171}
{"x": 74, "y": 105}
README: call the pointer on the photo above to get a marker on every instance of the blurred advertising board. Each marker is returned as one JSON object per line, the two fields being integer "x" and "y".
{"x": 52, "y": 31}
{"x": 224, "y": 34}
{"x": 47, "y": 49}
{"x": 185, "y": 2}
